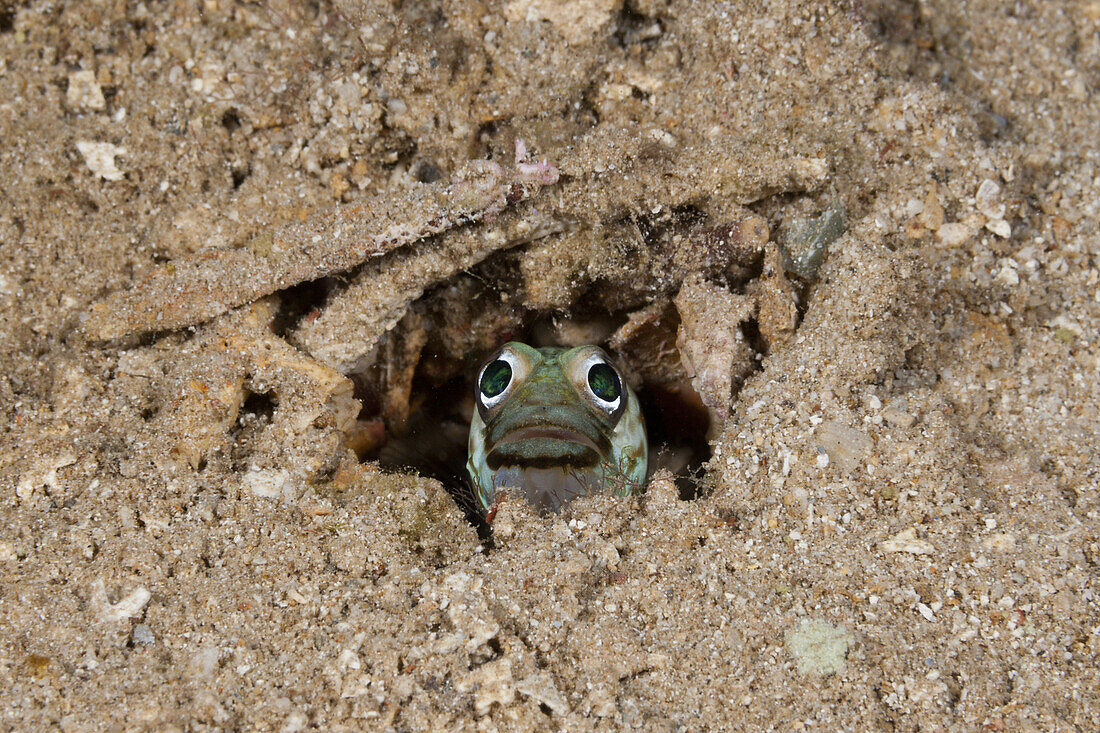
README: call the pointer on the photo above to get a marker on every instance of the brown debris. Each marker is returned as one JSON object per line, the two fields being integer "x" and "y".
{"x": 777, "y": 303}
{"x": 712, "y": 347}
{"x": 401, "y": 349}
{"x": 346, "y": 332}
{"x": 194, "y": 289}
{"x": 237, "y": 353}
{"x": 648, "y": 344}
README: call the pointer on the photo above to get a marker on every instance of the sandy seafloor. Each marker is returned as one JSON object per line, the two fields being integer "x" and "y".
{"x": 899, "y": 528}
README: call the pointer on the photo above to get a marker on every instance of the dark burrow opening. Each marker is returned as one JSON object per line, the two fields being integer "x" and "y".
{"x": 424, "y": 428}
{"x": 433, "y": 440}
{"x": 637, "y": 287}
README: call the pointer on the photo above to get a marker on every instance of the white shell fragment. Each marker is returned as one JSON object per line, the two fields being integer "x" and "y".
{"x": 100, "y": 158}
{"x": 1000, "y": 227}
{"x": 907, "y": 541}
{"x": 84, "y": 93}
{"x": 989, "y": 201}
{"x": 845, "y": 446}
{"x": 952, "y": 234}
{"x": 129, "y": 607}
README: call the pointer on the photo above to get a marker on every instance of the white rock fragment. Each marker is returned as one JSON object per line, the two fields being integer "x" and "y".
{"x": 1000, "y": 227}
{"x": 540, "y": 688}
{"x": 999, "y": 541}
{"x": 42, "y": 474}
{"x": 907, "y": 541}
{"x": 296, "y": 721}
{"x": 100, "y": 158}
{"x": 896, "y": 415}
{"x": 576, "y": 20}
{"x": 201, "y": 666}
{"x": 84, "y": 93}
{"x": 810, "y": 170}
{"x": 988, "y": 199}
{"x": 1008, "y": 275}
{"x": 925, "y": 611}
{"x": 846, "y": 447}
{"x": 269, "y": 484}
{"x": 127, "y": 608}
{"x": 819, "y": 647}
{"x": 143, "y": 635}
{"x": 468, "y": 612}
{"x": 953, "y": 234}
{"x": 348, "y": 659}
{"x": 491, "y": 683}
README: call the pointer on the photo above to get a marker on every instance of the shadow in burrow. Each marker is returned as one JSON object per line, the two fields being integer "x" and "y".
{"x": 686, "y": 307}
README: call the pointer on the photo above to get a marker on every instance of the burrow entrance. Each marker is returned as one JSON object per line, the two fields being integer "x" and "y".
{"x": 687, "y": 307}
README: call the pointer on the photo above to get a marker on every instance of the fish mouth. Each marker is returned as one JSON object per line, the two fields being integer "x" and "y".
{"x": 544, "y": 446}
{"x": 547, "y": 489}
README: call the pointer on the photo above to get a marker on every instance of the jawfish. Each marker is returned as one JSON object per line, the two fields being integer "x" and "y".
{"x": 554, "y": 423}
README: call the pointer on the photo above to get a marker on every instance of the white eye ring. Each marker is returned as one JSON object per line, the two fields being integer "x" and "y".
{"x": 586, "y": 366}
{"x": 513, "y": 363}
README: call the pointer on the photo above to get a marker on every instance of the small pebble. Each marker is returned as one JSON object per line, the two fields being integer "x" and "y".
{"x": 100, "y": 158}
{"x": 1000, "y": 227}
{"x": 989, "y": 200}
{"x": 143, "y": 635}
{"x": 953, "y": 234}
{"x": 84, "y": 93}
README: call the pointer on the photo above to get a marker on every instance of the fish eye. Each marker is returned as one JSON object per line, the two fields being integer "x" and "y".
{"x": 605, "y": 384}
{"x": 496, "y": 378}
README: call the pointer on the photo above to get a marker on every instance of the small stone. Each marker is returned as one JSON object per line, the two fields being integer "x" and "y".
{"x": 540, "y": 688}
{"x": 1008, "y": 275}
{"x": 803, "y": 243}
{"x": 989, "y": 200}
{"x": 953, "y": 234}
{"x": 491, "y": 683}
{"x": 931, "y": 215}
{"x": 203, "y": 663}
{"x": 1000, "y": 227}
{"x": 897, "y": 416}
{"x": 269, "y": 484}
{"x": 84, "y": 93}
{"x": 819, "y": 647}
{"x": 907, "y": 541}
{"x": 999, "y": 541}
{"x": 846, "y": 447}
{"x": 295, "y": 722}
{"x": 42, "y": 474}
{"x": 142, "y": 634}
{"x": 100, "y": 159}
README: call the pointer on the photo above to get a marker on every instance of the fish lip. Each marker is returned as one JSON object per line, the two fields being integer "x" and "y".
{"x": 542, "y": 432}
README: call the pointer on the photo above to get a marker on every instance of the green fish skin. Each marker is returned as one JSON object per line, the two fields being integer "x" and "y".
{"x": 554, "y": 424}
